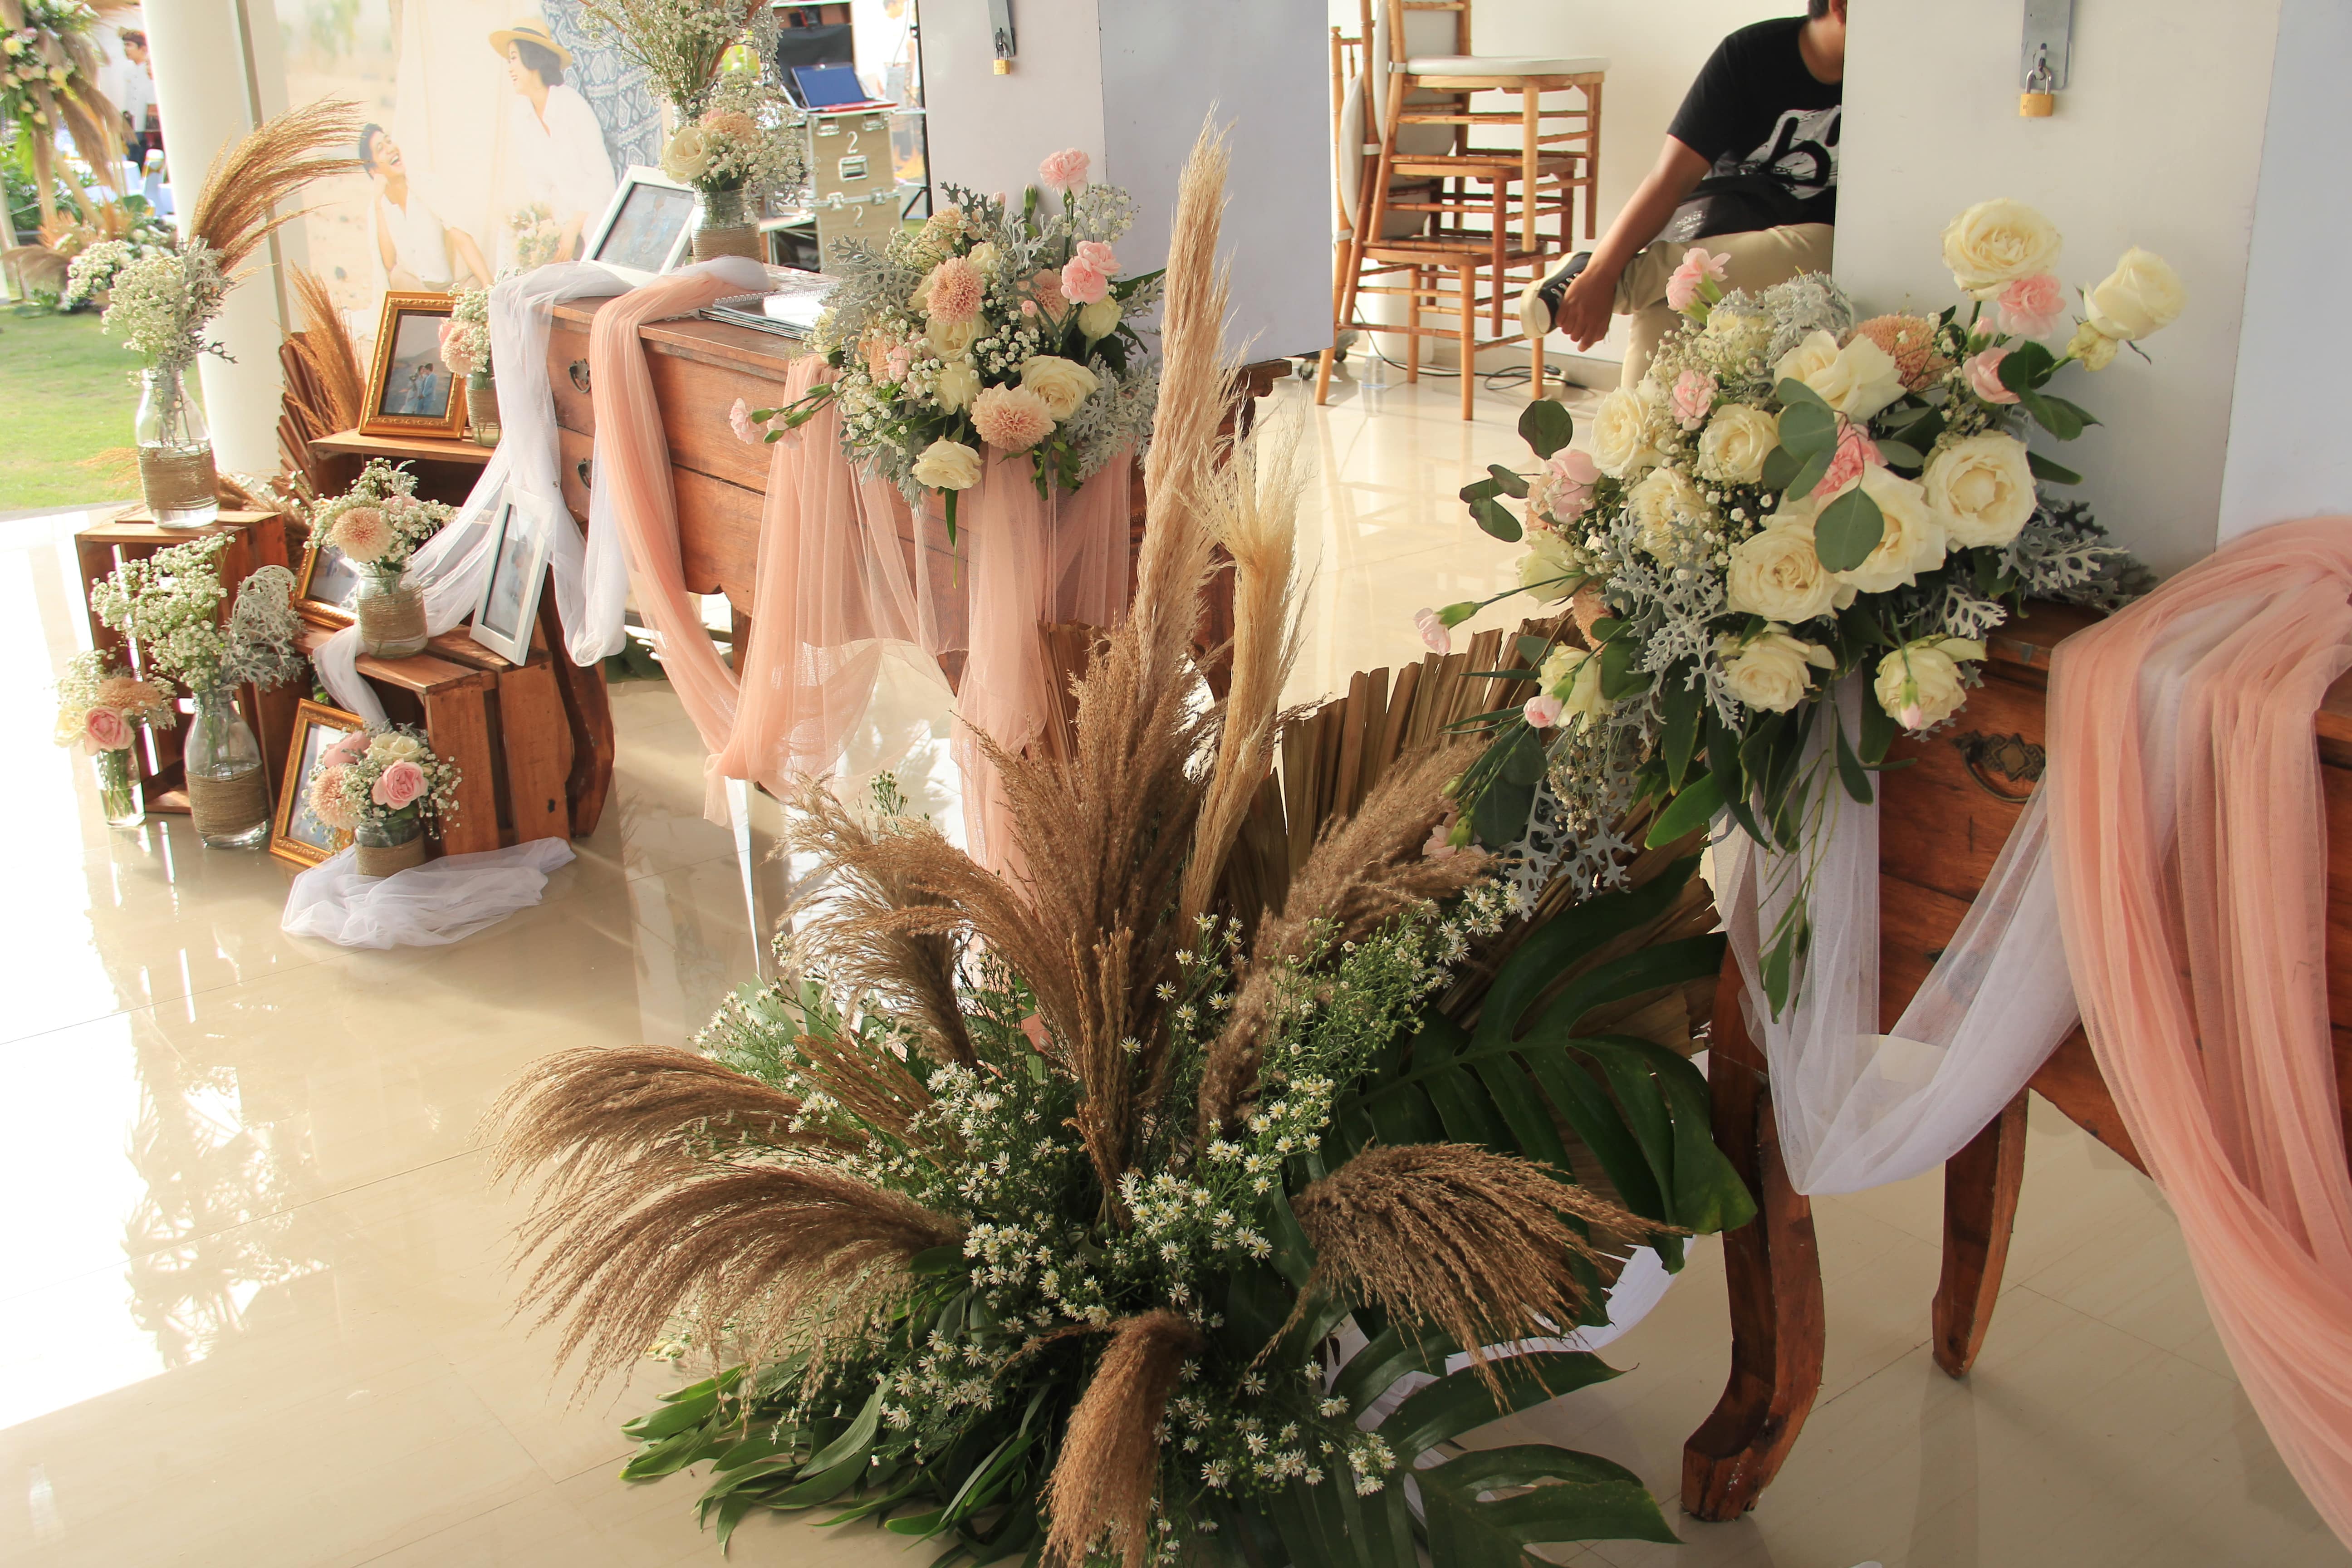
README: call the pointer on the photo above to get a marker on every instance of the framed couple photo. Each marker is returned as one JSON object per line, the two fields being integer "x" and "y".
{"x": 647, "y": 226}
{"x": 509, "y": 607}
{"x": 295, "y": 834}
{"x": 411, "y": 391}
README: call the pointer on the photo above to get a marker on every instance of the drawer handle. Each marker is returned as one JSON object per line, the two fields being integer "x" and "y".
{"x": 579, "y": 373}
{"x": 586, "y": 471}
{"x": 2010, "y": 757}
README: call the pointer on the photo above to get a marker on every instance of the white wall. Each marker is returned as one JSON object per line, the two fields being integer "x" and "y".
{"x": 2287, "y": 455}
{"x": 2156, "y": 142}
{"x": 988, "y": 132}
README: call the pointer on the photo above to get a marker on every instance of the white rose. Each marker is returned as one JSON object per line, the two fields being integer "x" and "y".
{"x": 1621, "y": 435}
{"x": 1773, "y": 670}
{"x": 1099, "y": 320}
{"x": 948, "y": 466}
{"x": 1997, "y": 242}
{"x": 687, "y": 157}
{"x": 958, "y": 385}
{"x": 1777, "y": 576}
{"x": 984, "y": 255}
{"x": 1857, "y": 379}
{"x": 951, "y": 340}
{"x": 1980, "y": 489}
{"x": 2142, "y": 295}
{"x": 1572, "y": 676}
{"x": 1062, "y": 383}
{"x": 1548, "y": 559}
{"x": 1658, "y": 503}
{"x": 1910, "y": 540}
{"x": 1738, "y": 336}
{"x": 1921, "y": 683}
{"x": 2094, "y": 348}
{"x": 392, "y": 746}
{"x": 1736, "y": 443}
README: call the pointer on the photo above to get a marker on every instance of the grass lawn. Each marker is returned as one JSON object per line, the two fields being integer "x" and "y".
{"x": 70, "y": 391}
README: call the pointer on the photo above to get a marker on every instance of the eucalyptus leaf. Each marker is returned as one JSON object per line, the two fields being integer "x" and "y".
{"x": 1511, "y": 483}
{"x": 1495, "y": 518}
{"x": 1546, "y": 427}
{"x": 2055, "y": 473}
{"x": 1848, "y": 530}
{"x": 1807, "y": 428}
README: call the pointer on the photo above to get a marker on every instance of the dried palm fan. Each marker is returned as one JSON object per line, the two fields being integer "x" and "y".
{"x": 1034, "y": 1207}
{"x": 86, "y": 116}
{"x": 324, "y": 390}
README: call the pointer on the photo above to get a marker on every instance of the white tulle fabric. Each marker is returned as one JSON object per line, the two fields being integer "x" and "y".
{"x": 1857, "y": 1107}
{"x": 431, "y": 905}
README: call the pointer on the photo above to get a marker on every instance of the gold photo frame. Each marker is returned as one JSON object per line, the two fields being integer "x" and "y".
{"x": 411, "y": 390}
{"x": 323, "y": 586}
{"x": 295, "y": 834}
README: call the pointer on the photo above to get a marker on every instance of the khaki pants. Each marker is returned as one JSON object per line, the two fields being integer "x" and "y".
{"x": 1757, "y": 260}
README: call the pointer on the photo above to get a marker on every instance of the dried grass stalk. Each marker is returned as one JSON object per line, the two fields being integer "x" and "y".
{"x": 1109, "y": 1463}
{"x": 1458, "y": 1238}
{"x": 236, "y": 211}
{"x": 326, "y": 348}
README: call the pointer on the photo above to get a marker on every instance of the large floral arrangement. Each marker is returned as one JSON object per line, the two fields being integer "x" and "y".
{"x": 49, "y": 65}
{"x": 989, "y": 327}
{"x": 749, "y": 137}
{"x": 379, "y": 523}
{"x": 163, "y": 303}
{"x": 101, "y": 707}
{"x": 168, "y": 604}
{"x": 1136, "y": 1209}
{"x": 1787, "y": 499}
{"x": 682, "y": 44}
{"x": 385, "y": 775}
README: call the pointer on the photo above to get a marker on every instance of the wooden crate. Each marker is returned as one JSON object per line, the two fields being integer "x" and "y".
{"x": 257, "y": 539}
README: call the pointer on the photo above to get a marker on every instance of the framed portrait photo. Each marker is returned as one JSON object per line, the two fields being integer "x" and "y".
{"x": 295, "y": 834}
{"x": 411, "y": 390}
{"x": 647, "y": 226}
{"x": 509, "y": 606}
{"x": 324, "y": 586}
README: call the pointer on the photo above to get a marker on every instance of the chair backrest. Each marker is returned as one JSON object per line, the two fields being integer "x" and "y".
{"x": 1427, "y": 27}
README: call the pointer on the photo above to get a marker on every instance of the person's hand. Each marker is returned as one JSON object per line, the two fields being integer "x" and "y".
{"x": 1584, "y": 309}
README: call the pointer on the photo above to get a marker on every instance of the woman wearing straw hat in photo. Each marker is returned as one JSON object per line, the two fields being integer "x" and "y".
{"x": 557, "y": 146}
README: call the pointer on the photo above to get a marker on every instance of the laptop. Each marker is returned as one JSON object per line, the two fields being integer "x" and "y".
{"x": 826, "y": 88}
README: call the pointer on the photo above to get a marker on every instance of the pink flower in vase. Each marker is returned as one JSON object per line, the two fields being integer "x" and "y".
{"x": 1011, "y": 418}
{"x": 1081, "y": 282}
{"x": 1856, "y": 452}
{"x": 1065, "y": 170}
{"x": 105, "y": 730}
{"x": 1046, "y": 291}
{"x": 453, "y": 350}
{"x": 2032, "y": 307}
{"x": 957, "y": 288}
{"x": 1699, "y": 266}
{"x": 1098, "y": 255}
{"x": 327, "y": 799}
{"x": 1693, "y": 398}
{"x": 397, "y": 787}
{"x": 1433, "y": 631}
{"x": 350, "y": 749}
{"x": 1574, "y": 475}
{"x": 1983, "y": 371}
{"x": 1541, "y": 712}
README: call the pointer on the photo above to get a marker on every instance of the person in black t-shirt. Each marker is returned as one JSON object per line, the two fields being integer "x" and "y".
{"x": 1749, "y": 167}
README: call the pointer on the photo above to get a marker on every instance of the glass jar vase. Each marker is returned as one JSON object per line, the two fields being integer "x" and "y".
{"x": 228, "y": 791}
{"x": 389, "y": 610}
{"x": 118, "y": 788}
{"x": 482, "y": 408}
{"x": 729, "y": 226}
{"x": 384, "y": 846}
{"x": 176, "y": 478}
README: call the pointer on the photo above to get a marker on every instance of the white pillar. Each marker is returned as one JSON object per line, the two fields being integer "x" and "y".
{"x": 206, "y": 92}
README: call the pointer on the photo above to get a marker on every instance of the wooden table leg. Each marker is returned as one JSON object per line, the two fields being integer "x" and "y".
{"x": 1981, "y": 1188}
{"x": 588, "y": 709}
{"x": 1772, "y": 1272}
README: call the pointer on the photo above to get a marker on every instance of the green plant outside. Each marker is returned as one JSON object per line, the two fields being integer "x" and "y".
{"x": 70, "y": 391}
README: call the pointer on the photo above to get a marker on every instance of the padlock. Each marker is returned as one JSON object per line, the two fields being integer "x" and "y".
{"x": 2037, "y": 105}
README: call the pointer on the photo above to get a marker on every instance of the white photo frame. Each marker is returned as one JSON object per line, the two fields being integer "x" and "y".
{"x": 509, "y": 607}
{"x": 647, "y": 227}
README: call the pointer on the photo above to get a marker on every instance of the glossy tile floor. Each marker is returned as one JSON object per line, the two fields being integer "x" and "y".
{"x": 254, "y": 1306}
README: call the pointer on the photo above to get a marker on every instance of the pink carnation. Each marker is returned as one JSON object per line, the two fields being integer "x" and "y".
{"x": 1856, "y": 452}
{"x": 362, "y": 534}
{"x": 1541, "y": 712}
{"x": 1098, "y": 255}
{"x": 398, "y": 785}
{"x": 1082, "y": 282}
{"x": 740, "y": 420}
{"x": 1983, "y": 371}
{"x": 1046, "y": 289}
{"x": 1693, "y": 398}
{"x": 1064, "y": 171}
{"x": 1684, "y": 288}
{"x": 1574, "y": 475}
{"x": 2032, "y": 307}
{"x": 104, "y": 729}
{"x": 1011, "y": 418}
{"x": 957, "y": 288}
{"x": 1433, "y": 631}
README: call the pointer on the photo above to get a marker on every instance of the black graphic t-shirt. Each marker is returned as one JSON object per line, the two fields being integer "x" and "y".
{"x": 1755, "y": 111}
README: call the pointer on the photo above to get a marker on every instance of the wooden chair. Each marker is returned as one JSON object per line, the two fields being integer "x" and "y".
{"x": 1438, "y": 218}
{"x": 1942, "y": 822}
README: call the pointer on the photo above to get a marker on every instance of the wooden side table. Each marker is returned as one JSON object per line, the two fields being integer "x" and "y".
{"x": 446, "y": 470}
{"x": 257, "y": 539}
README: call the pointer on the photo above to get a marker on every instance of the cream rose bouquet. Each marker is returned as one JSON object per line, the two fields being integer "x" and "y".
{"x": 749, "y": 137}
{"x": 990, "y": 327}
{"x": 1787, "y": 499}
{"x": 385, "y": 775}
{"x": 379, "y": 523}
{"x": 101, "y": 707}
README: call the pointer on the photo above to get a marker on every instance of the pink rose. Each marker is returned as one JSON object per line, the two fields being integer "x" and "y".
{"x": 1082, "y": 284}
{"x": 900, "y": 362}
{"x": 2032, "y": 307}
{"x": 1574, "y": 475}
{"x": 1856, "y": 452}
{"x": 738, "y": 419}
{"x": 1693, "y": 398}
{"x": 1687, "y": 287}
{"x": 398, "y": 785}
{"x": 105, "y": 730}
{"x": 1433, "y": 631}
{"x": 1098, "y": 255}
{"x": 1064, "y": 171}
{"x": 1983, "y": 372}
{"x": 1541, "y": 712}
{"x": 350, "y": 749}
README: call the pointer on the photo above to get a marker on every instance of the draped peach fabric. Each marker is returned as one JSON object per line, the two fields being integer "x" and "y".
{"x": 2187, "y": 828}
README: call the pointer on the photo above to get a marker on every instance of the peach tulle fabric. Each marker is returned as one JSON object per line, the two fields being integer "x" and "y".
{"x": 2187, "y": 826}
{"x": 838, "y": 587}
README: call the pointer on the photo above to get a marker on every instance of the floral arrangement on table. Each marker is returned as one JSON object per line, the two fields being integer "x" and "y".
{"x": 127, "y": 231}
{"x": 466, "y": 335}
{"x": 168, "y": 606}
{"x": 49, "y": 68}
{"x": 989, "y": 327}
{"x": 386, "y": 778}
{"x": 747, "y": 137}
{"x": 683, "y": 44}
{"x": 1789, "y": 498}
{"x": 1044, "y": 1219}
{"x": 101, "y": 707}
{"x": 379, "y": 523}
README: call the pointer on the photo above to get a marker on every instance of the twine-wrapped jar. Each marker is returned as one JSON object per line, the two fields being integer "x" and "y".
{"x": 382, "y": 848}
{"x": 176, "y": 478}
{"x": 229, "y": 792}
{"x": 389, "y": 611}
{"x": 729, "y": 226}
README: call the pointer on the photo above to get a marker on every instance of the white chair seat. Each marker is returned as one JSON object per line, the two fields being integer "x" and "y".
{"x": 1506, "y": 64}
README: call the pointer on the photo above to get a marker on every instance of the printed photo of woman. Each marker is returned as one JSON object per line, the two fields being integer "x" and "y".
{"x": 419, "y": 252}
{"x": 562, "y": 173}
